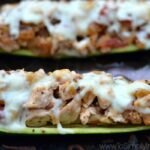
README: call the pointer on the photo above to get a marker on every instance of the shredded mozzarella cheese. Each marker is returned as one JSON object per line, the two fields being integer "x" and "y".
{"x": 75, "y": 17}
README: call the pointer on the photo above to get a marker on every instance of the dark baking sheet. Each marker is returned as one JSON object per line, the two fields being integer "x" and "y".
{"x": 132, "y": 65}
{"x": 134, "y": 141}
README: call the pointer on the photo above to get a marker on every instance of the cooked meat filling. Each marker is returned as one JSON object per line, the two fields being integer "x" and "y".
{"x": 75, "y": 28}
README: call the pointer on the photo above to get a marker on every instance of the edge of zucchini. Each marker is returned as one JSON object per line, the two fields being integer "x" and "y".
{"x": 24, "y": 52}
{"x": 77, "y": 130}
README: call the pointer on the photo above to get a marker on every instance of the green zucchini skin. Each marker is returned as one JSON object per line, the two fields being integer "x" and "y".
{"x": 27, "y": 53}
{"x": 78, "y": 130}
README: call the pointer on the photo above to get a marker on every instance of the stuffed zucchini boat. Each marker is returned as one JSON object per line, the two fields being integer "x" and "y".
{"x": 75, "y": 28}
{"x": 43, "y": 102}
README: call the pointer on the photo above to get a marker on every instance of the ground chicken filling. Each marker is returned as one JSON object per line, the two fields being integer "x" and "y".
{"x": 75, "y": 28}
{"x": 38, "y": 99}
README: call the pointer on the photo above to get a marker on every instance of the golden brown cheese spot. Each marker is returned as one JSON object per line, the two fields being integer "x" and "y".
{"x": 33, "y": 77}
{"x": 30, "y": 77}
{"x": 60, "y": 75}
{"x": 141, "y": 93}
{"x": 67, "y": 91}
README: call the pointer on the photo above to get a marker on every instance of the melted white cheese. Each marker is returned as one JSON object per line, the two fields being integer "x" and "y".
{"x": 76, "y": 16}
{"x": 128, "y": 12}
{"x": 15, "y": 94}
{"x": 46, "y": 81}
{"x": 143, "y": 110}
{"x": 63, "y": 130}
{"x": 117, "y": 91}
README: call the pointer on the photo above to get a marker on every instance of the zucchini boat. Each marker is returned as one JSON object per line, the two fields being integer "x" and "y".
{"x": 76, "y": 28}
{"x": 94, "y": 102}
